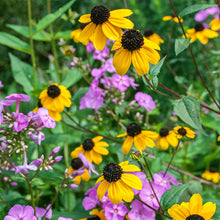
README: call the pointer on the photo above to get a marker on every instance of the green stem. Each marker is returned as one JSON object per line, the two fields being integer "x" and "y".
{"x": 31, "y": 191}
{"x": 32, "y": 45}
{"x": 53, "y": 45}
{"x": 5, "y": 202}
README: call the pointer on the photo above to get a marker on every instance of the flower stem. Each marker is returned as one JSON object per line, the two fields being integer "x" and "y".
{"x": 5, "y": 202}
{"x": 31, "y": 191}
{"x": 32, "y": 45}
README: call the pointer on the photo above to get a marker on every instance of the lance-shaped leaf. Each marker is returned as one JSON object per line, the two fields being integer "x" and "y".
{"x": 181, "y": 45}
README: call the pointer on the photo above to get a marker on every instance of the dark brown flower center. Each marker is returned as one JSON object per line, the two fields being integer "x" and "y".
{"x": 76, "y": 163}
{"x": 39, "y": 105}
{"x": 132, "y": 40}
{"x": 164, "y": 132}
{"x": 88, "y": 144}
{"x": 99, "y": 14}
{"x": 213, "y": 170}
{"x": 53, "y": 91}
{"x": 199, "y": 27}
{"x": 133, "y": 129}
{"x": 148, "y": 32}
{"x": 195, "y": 217}
{"x": 182, "y": 131}
{"x": 112, "y": 172}
{"x": 94, "y": 218}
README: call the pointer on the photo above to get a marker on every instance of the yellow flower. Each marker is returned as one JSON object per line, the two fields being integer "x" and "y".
{"x": 67, "y": 50}
{"x": 193, "y": 210}
{"x": 172, "y": 17}
{"x": 93, "y": 149}
{"x": 76, "y": 33}
{"x": 103, "y": 24}
{"x": 98, "y": 215}
{"x": 200, "y": 33}
{"x": 76, "y": 163}
{"x": 134, "y": 48}
{"x": 150, "y": 35}
{"x": 211, "y": 175}
{"x": 117, "y": 180}
{"x": 183, "y": 131}
{"x": 55, "y": 115}
{"x": 215, "y": 24}
{"x": 218, "y": 138}
{"x": 139, "y": 137}
{"x": 166, "y": 138}
{"x": 55, "y": 98}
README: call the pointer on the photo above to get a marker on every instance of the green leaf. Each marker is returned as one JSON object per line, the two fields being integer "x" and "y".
{"x": 195, "y": 8}
{"x": 22, "y": 72}
{"x": 72, "y": 215}
{"x": 63, "y": 34}
{"x": 71, "y": 78}
{"x": 50, "y": 18}
{"x": 155, "y": 69}
{"x": 188, "y": 109}
{"x": 153, "y": 81}
{"x": 14, "y": 42}
{"x": 181, "y": 45}
{"x": 211, "y": 121}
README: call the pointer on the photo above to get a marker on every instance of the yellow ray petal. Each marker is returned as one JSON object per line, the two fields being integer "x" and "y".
{"x": 195, "y": 204}
{"x": 97, "y": 139}
{"x": 153, "y": 58}
{"x": 117, "y": 44}
{"x": 102, "y": 144}
{"x": 210, "y": 33}
{"x": 124, "y": 163}
{"x": 110, "y": 31}
{"x": 178, "y": 212}
{"x": 121, "y": 22}
{"x": 150, "y": 134}
{"x": 121, "y": 13}
{"x": 100, "y": 150}
{"x": 208, "y": 210}
{"x": 87, "y": 32}
{"x": 122, "y": 135}
{"x": 99, "y": 38}
{"x": 88, "y": 156}
{"x": 142, "y": 141}
{"x": 167, "y": 18}
{"x": 163, "y": 143}
{"x": 122, "y": 61}
{"x": 102, "y": 188}
{"x": 172, "y": 139}
{"x": 85, "y": 18}
{"x": 127, "y": 191}
{"x": 85, "y": 176}
{"x": 74, "y": 153}
{"x": 96, "y": 157}
{"x": 43, "y": 94}
{"x": 114, "y": 193}
{"x": 99, "y": 179}
{"x": 126, "y": 147}
{"x": 132, "y": 181}
{"x": 130, "y": 168}
{"x": 150, "y": 44}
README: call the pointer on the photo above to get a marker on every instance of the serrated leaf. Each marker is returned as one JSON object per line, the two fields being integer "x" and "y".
{"x": 72, "y": 77}
{"x": 22, "y": 72}
{"x": 50, "y": 18}
{"x": 188, "y": 109}
{"x": 195, "y": 8}
{"x": 14, "y": 42}
{"x": 155, "y": 69}
{"x": 181, "y": 45}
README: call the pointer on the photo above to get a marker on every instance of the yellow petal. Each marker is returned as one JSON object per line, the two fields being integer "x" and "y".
{"x": 114, "y": 193}
{"x": 74, "y": 154}
{"x": 70, "y": 170}
{"x": 121, "y": 22}
{"x": 150, "y": 44}
{"x": 172, "y": 139}
{"x": 97, "y": 139}
{"x": 110, "y": 31}
{"x": 99, "y": 179}
{"x": 195, "y": 204}
{"x": 88, "y": 156}
{"x": 178, "y": 212}
{"x": 126, "y": 147}
{"x": 122, "y": 61}
{"x": 99, "y": 38}
{"x": 126, "y": 191}
{"x": 210, "y": 33}
{"x": 124, "y": 163}
{"x": 152, "y": 55}
{"x": 140, "y": 62}
{"x": 130, "y": 168}
{"x": 167, "y": 18}
{"x": 122, "y": 135}
{"x": 121, "y": 13}
{"x": 85, "y": 176}
{"x": 100, "y": 150}
{"x": 85, "y": 18}
{"x": 132, "y": 181}
{"x": 102, "y": 188}
{"x": 150, "y": 134}
{"x": 163, "y": 143}
{"x": 208, "y": 210}
{"x": 87, "y": 32}
{"x": 117, "y": 44}
{"x": 96, "y": 157}
{"x": 102, "y": 144}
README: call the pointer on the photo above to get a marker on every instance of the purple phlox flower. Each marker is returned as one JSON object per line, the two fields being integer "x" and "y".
{"x": 139, "y": 211}
{"x": 132, "y": 83}
{"x": 97, "y": 73}
{"x": 38, "y": 136}
{"x": 57, "y": 159}
{"x": 161, "y": 181}
{"x": 205, "y": 110}
{"x": 55, "y": 151}
{"x": 25, "y": 167}
{"x": 22, "y": 121}
{"x": 87, "y": 164}
{"x": 14, "y": 184}
{"x": 47, "y": 121}
{"x": 201, "y": 15}
{"x": 73, "y": 186}
{"x": 170, "y": 178}
{"x": 1, "y": 85}
{"x": 41, "y": 212}
{"x": 101, "y": 54}
{"x": 90, "y": 47}
{"x": 115, "y": 212}
{"x": 33, "y": 116}
{"x": 92, "y": 200}
{"x": 147, "y": 195}
{"x": 108, "y": 66}
{"x": 93, "y": 98}
{"x": 212, "y": 10}
{"x": 145, "y": 100}
{"x": 143, "y": 179}
{"x": 3, "y": 104}
{"x": 106, "y": 81}
{"x": 206, "y": 26}
{"x": 21, "y": 213}
{"x": 77, "y": 173}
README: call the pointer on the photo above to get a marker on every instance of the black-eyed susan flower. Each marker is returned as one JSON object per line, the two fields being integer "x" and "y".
{"x": 150, "y": 35}
{"x": 134, "y": 48}
{"x": 76, "y": 164}
{"x": 118, "y": 181}
{"x": 103, "y": 24}
{"x": 193, "y": 210}
{"x": 55, "y": 98}
{"x": 215, "y": 24}
{"x": 55, "y": 115}
{"x": 200, "y": 33}
{"x": 76, "y": 33}
{"x": 140, "y": 138}
{"x": 93, "y": 149}
{"x": 166, "y": 138}
{"x": 184, "y": 131}
{"x": 211, "y": 175}
{"x": 172, "y": 17}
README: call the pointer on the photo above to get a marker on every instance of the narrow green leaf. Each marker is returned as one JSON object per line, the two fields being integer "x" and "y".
{"x": 50, "y": 18}
{"x": 181, "y": 45}
{"x": 188, "y": 109}
{"x": 14, "y": 42}
{"x": 72, "y": 77}
{"x": 155, "y": 69}
{"x": 195, "y": 8}
{"x": 22, "y": 72}
{"x": 63, "y": 34}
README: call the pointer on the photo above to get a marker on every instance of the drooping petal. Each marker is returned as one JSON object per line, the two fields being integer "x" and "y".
{"x": 117, "y": 44}
{"x": 114, "y": 193}
{"x": 88, "y": 156}
{"x": 110, "y": 31}
{"x": 87, "y": 32}
{"x": 85, "y": 18}
{"x": 102, "y": 188}
{"x": 127, "y": 191}
{"x": 74, "y": 154}
{"x": 163, "y": 143}
{"x": 172, "y": 139}
{"x": 121, "y": 22}
{"x": 100, "y": 150}
{"x": 150, "y": 44}
{"x": 122, "y": 61}
{"x": 153, "y": 57}
{"x": 96, "y": 157}
{"x": 97, "y": 139}
{"x": 99, "y": 38}
{"x": 121, "y": 13}
{"x": 102, "y": 144}
{"x": 210, "y": 33}
{"x": 99, "y": 179}
{"x": 132, "y": 181}
{"x": 126, "y": 147}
